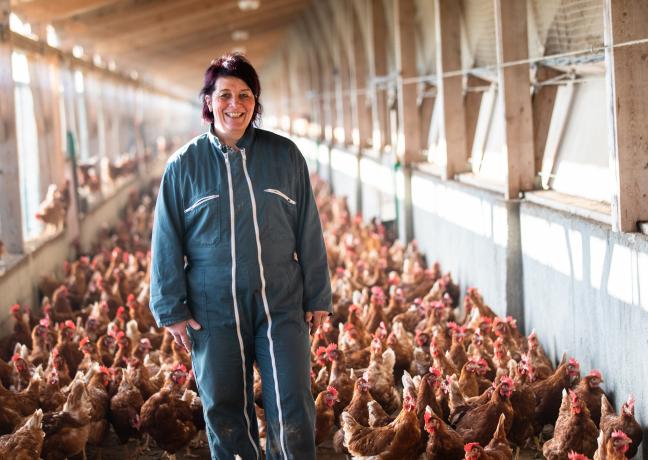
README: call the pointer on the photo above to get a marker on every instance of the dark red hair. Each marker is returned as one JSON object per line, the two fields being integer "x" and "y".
{"x": 231, "y": 65}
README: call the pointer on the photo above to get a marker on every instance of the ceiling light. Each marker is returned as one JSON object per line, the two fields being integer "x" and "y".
{"x": 134, "y": 75}
{"x": 77, "y": 51}
{"x": 112, "y": 66}
{"x": 248, "y": 5}
{"x": 240, "y": 35}
{"x": 96, "y": 59}
{"x": 239, "y": 50}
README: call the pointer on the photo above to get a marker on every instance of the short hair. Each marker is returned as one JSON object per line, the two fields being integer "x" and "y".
{"x": 231, "y": 65}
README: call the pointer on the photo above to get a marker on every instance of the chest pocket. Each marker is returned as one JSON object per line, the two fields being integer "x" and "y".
{"x": 202, "y": 220}
{"x": 281, "y": 215}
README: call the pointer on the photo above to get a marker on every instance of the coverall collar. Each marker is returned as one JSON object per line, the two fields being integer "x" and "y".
{"x": 243, "y": 143}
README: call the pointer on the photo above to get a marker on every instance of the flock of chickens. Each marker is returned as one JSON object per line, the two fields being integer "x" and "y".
{"x": 92, "y": 360}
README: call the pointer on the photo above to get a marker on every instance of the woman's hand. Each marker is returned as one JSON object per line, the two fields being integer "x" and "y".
{"x": 315, "y": 319}
{"x": 179, "y": 332}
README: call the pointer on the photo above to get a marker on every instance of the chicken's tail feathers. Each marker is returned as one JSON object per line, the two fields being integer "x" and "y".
{"x": 606, "y": 407}
{"x": 500, "y": 432}
{"x": 563, "y": 360}
{"x": 36, "y": 420}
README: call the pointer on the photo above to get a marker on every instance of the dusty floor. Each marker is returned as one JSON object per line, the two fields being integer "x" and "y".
{"x": 113, "y": 450}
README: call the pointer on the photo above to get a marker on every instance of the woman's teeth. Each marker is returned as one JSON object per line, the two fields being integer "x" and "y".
{"x": 235, "y": 114}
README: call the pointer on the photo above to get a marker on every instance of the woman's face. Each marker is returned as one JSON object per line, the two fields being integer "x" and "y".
{"x": 232, "y": 104}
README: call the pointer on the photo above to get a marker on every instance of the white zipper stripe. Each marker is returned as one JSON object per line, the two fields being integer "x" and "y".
{"x": 281, "y": 194}
{"x": 236, "y": 312}
{"x": 265, "y": 306}
{"x": 200, "y": 201}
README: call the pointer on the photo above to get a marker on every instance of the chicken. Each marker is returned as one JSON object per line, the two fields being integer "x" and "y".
{"x": 24, "y": 402}
{"x": 399, "y": 341}
{"x": 61, "y": 308}
{"x": 589, "y": 390}
{"x": 613, "y": 446}
{"x": 479, "y": 424}
{"x": 21, "y": 332}
{"x": 26, "y": 443}
{"x": 427, "y": 395}
{"x": 538, "y": 358}
{"x": 470, "y": 378}
{"x": 66, "y": 431}
{"x": 443, "y": 442}
{"x": 457, "y": 353}
{"x": 168, "y": 418}
{"x": 51, "y": 397}
{"x": 377, "y": 415}
{"x": 380, "y": 375}
{"x": 497, "y": 449}
{"x": 398, "y": 440}
{"x": 98, "y": 379}
{"x": 324, "y": 414}
{"x": 523, "y": 402}
{"x": 125, "y": 409}
{"x": 574, "y": 430}
{"x": 339, "y": 377}
{"x": 548, "y": 392}
{"x": 625, "y": 422}
{"x": 52, "y": 210}
{"x": 357, "y": 408}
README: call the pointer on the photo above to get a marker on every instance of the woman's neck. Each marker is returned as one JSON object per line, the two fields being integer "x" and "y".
{"x": 228, "y": 141}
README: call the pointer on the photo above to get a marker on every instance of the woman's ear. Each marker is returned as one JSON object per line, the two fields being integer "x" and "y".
{"x": 208, "y": 102}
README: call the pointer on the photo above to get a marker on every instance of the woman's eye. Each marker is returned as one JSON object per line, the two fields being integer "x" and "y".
{"x": 225, "y": 96}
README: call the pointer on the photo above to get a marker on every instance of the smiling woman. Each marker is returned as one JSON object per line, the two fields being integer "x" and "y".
{"x": 236, "y": 204}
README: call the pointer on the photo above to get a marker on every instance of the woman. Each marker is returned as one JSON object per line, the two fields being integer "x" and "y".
{"x": 239, "y": 269}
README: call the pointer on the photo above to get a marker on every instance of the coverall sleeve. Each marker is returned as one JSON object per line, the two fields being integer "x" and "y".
{"x": 311, "y": 251}
{"x": 168, "y": 283}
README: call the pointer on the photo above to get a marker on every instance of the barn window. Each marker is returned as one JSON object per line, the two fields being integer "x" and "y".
{"x": 27, "y": 140}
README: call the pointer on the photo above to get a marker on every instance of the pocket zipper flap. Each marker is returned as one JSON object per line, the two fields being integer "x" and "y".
{"x": 200, "y": 201}
{"x": 281, "y": 194}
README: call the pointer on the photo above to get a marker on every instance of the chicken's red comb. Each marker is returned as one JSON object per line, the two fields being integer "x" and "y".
{"x": 120, "y": 310}
{"x": 83, "y": 341}
{"x": 16, "y": 357}
{"x": 180, "y": 367}
{"x": 596, "y": 373}
{"x": 332, "y": 390}
{"x": 576, "y": 456}
{"x": 618, "y": 434}
{"x": 45, "y": 322}
{"x": 320, "y": 351}
{"x": 15, "y": 308}
{"x": 469, "y": 447}
{"x": 507, "y": 381}
{"x": 428, "y": 414}
{"x": 452, "y": 325}
{"x": 55, "y": 353}
{"x": 349, "y": 326}
{"x": 70, "y": 325}
{"x": 104, "y": 370}
{"x": 130, "y": 298}
{"x": 331, "y": 347}
{"x": 573, "y": 395}
{"x": 434, "y": 371}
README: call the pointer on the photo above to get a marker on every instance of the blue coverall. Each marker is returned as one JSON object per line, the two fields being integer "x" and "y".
{"x": 247, "y": 224}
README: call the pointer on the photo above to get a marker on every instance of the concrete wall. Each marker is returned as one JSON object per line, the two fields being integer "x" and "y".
{"x": 586, "y": 293}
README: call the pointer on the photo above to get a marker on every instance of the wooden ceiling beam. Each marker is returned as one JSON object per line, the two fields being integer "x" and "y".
{"x": 48, "y": 11}
{"x": 176, "y": 44}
